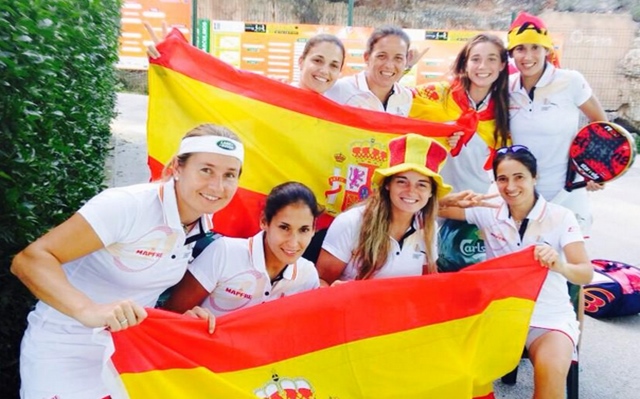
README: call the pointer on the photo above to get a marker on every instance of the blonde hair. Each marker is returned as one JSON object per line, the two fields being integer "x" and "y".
{"x": 205, "y": 129}
{"x": 372, "y": 249}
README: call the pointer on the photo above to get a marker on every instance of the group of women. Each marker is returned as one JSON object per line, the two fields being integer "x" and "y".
{"x": 127, "y": 245}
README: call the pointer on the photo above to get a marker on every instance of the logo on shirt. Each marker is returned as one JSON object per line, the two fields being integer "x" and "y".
{"x": 239, "y": 294}
{"x": 146, "y": 251}
{"x": 498, "y": 237}
{"x": 149, "y": 254}
{"x": 352, "y": 173}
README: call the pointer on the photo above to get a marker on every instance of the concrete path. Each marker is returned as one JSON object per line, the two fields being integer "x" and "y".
{"x": 609, "y": 366}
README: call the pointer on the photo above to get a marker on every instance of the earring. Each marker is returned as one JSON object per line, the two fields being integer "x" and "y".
{"x": 176, "y": 177}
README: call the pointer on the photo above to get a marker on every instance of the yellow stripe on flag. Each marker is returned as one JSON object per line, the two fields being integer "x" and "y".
{"x": 455, "y": 359}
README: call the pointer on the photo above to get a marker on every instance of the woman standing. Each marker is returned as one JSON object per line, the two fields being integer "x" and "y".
{"x": 320, "y": 63}
{"x": 545, "y": 107}
{"x": 236, "y": 273}
{"x": 115, "y": 256}
{"x": 525, "y": 218}
{"x": 477, "y": 99}
{"x": 376, "y": 87}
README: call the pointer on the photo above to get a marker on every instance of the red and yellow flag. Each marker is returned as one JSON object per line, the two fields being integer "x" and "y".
{"x": 288, "y": 133}
{"x": 439, "y": 336}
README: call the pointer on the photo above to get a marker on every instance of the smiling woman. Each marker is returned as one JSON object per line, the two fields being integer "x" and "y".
{"x": 398, "y": 238}
{"x": 376, "y": 87}
{"x": 235, "y": 273}
{"x": 115, "y": 256}
{"x": 524, "y": 218}
{"x": 320, "y": 63}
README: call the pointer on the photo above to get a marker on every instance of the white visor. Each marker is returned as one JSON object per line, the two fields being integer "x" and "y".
{"x": 212, "y": 144}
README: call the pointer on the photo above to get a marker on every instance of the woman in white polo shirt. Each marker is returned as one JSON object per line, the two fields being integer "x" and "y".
{"x": 545, "y": 105}
{"x": 525, "y": 218}
{"x": 393, "y": 233}
{"x": 376, "y": 87}
{"x": 237, "y": 273}
{"x": 115, "y": 256}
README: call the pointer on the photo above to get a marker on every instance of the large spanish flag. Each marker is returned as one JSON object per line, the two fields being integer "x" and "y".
{"x": 288, "y": 133}
{"x": 445, "y": 336}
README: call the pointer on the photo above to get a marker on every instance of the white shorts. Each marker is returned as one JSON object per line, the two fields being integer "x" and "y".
{"x": 60, "y": 365}
{"x": 537, "y": 332}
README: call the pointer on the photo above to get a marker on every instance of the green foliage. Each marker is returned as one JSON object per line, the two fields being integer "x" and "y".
{"x": 57, "y": 100}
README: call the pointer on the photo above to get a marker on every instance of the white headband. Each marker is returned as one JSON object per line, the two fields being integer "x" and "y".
{"x": 212, "y": 144}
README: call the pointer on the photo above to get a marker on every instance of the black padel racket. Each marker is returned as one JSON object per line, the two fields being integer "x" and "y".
{"x": 600, "y": 152}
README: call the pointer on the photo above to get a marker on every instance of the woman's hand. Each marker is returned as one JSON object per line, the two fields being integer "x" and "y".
{"x": 549, "y": 258}
{"x": 414, "y": 55}
{"x": 338, "y": 282}
{"x": 152, "y": 51}
{"x": 116, "y": 316}
{"x": 593, "y": 186}
{"x": 454, "y": 139}
{"x": 204, "y": 314}
{"x": 468, "y": 199}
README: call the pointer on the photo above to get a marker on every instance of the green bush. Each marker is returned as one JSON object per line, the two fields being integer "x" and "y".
{"x": 57, "y": 100}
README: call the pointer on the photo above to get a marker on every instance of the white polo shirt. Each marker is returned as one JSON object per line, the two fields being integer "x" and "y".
{"x": 234, "y": 272}
{"x": 342, "y": 238}
{"x": 354, "y": 91}
{"x": 144, "y": 254}
{"x": 547, "y": 223}
{"x": 548, "y": 124}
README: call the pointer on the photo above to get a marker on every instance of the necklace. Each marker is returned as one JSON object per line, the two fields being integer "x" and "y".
{"x": 187, "y": 227}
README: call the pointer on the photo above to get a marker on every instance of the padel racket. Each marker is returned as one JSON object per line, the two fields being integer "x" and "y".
{"x": 600, "y": 152}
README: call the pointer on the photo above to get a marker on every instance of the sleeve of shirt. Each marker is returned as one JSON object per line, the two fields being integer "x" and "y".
{"x": 112, "y": 214}
{"x": 472, "y": 216}
{"x": 342, "y": 235}
{"x": 580, "y": 89}
{"x": 338, "y": 92}
{"x": 311, "y": 278}
{"x": 570, "y": 230}
{"x": 208, "y": 266}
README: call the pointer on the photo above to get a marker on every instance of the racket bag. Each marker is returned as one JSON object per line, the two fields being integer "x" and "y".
{"x": 614, "y": 291}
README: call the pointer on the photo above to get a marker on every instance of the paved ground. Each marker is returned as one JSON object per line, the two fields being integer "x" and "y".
{"x": 608, "y": 358}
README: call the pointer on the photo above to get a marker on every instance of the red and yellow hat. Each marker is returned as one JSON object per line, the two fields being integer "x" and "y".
{"x": 528, "y": 29}
{"x": 418, "y": 153}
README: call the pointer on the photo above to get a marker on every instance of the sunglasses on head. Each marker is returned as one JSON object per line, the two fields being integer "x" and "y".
{"x": 513, "y": 148}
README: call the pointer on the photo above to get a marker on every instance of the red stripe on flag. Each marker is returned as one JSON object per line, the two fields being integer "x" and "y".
{"x": 155, "y": 168}
{"x": 361, "y": 309}
{"x": 183, "y": 58}
{"x": 241, "y": 218}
